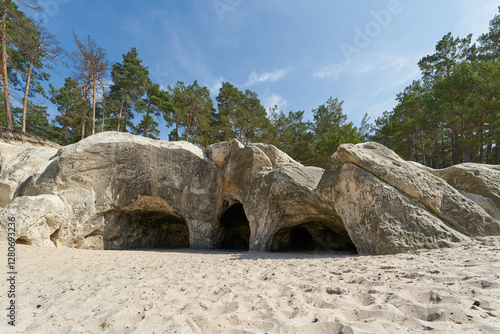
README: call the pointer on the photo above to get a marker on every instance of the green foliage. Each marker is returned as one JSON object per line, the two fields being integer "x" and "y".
{"x": 157, "y": 102}
{"x": 452, "y": 114}
{"x": 69, "y": 102}
{"x": 290, "y": 134}
{"x": 330, "y": 130}
{"x": 190, "y": 111}
{"x": 129, "y": 85}
{"x": 490, "y": 41}
{"x": 37, "y": 122}
{"x": 151, "y": 125}
{"x": 241, "y": 115}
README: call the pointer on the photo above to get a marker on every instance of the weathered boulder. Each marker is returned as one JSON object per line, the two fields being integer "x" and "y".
{"x": 431, "y": 192}
{"x": 116, "y": 191}
{"x": 478, "y": 182}
{"x": 125, "y": 191}
{"x": 38, "y": 219}
{"x": 379, "y": 218}
{"x": 17, "y": 163}
{"x": 277, "y": 196}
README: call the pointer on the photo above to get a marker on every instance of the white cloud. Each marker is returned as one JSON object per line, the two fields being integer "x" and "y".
{"x": 330, "y": 72}
{"x": 275, "y": 100}
{"x": 215, "y": 86}
{"x": 267, "y": 76}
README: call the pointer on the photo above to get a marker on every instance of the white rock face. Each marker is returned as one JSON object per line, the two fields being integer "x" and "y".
{"x": 480, "y": 183}
{"x": 432, "y": 192}
{"x": 17, "y": 164}
{"x": 120, "y": 191}
{"x": 277, "y": 195}
{"x": 38, "y": 219}
{"x": 100, "y": 177}
{"x": 379, "y": 218}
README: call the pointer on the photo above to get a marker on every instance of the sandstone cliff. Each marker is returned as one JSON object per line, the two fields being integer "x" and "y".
{"x": 118, "y": 191}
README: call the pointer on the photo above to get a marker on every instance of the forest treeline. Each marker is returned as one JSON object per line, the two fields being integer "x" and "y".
{"x": 450, "y": 115}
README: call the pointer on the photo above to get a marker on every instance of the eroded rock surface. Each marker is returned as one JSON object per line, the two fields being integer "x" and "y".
{"x": 277, "y": 194}
{"x": 432, "y": 192}
{"x": 125, "y": 191}
{"x": 17, "y": 163}
{"x": 379, "y": 218}
{"x": 119, "y": 191}
{"x": 478, "y": 182}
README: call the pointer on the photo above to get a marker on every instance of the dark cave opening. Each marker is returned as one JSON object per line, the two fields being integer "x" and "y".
{"x": 300, "y": 238}
{"x": 235, "y": 228}
{"x": 312, "y": 236}
{"x": 145, "y": 230}
{"x": 23, "y": 241}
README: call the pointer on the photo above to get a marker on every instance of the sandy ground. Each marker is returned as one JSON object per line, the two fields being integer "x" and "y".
{"x": 62, "y": 290}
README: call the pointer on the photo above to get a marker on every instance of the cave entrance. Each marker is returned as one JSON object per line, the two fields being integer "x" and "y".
{"x": 300, "y": 238}
{"x": 235, "y": 228}
{"x": 311, "y": 237}
{"x": 145, "y": 229}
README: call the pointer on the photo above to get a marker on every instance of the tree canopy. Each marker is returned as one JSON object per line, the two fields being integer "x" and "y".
{"x": 449, "y": 115}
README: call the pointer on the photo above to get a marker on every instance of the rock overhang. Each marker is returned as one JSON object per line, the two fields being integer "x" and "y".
{"x": 351, "y": 200}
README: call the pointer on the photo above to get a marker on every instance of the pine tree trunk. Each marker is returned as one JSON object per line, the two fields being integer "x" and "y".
{"x": 26, "y": 91}
{"x": 187, "y": 127}
{"x": 488, "y": 153}
{"x": 147, "y": 120}
{"x": 4, "y": 65}
{"x": 125, "y": 122}
{"x": 423, "y": 150}
{"x": 121, "y": 109}
{"x": 93, "y": 105}
{"x": 64, "y": 129}
{"x": 456, "y": 150}
{"x": 103, "y": 108}
{"x": 84, "y": 117}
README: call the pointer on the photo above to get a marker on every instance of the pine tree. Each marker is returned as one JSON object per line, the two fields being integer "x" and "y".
{"x": 37, "y": 122}
{"x": 331, "y": 129}
{"x": 91, "y": 67}
{"x": 148, "y": 123}
{"x": 191, "y": 109}
{"x": 12, "y": 30}
{"x": 69, "y": 102}
{"x": 241, "y": 115}
{"x": 490, "y": 41}
{"x": 156, "y": 102}
{"x": 129, "y": 81}
{"x": 40, "y": 49}
{"x": 490, "y": 50}
{"x": 228, "y": 103}
{"x": 290, "y": 134}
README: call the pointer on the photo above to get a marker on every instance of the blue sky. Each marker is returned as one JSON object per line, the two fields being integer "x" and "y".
{"x": 293, "y": 53}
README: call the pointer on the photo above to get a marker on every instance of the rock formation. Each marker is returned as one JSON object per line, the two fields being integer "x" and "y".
{"x": 119, "y": 191}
